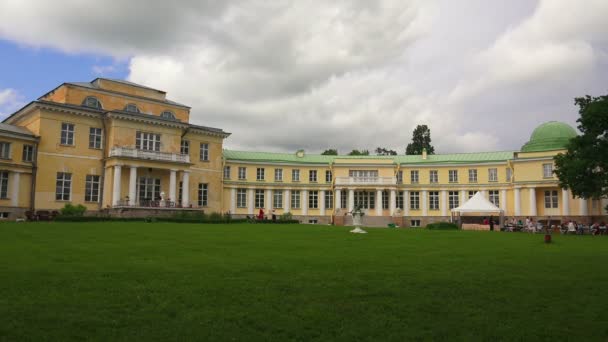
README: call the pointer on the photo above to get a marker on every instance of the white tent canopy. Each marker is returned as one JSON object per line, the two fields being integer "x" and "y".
{"x": 477, "y": 204}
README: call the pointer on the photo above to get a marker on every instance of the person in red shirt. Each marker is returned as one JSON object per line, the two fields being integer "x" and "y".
{"x": 261, "y": 214}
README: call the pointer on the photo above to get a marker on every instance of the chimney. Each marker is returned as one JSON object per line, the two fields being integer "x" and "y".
{"x": 424, "y": 153}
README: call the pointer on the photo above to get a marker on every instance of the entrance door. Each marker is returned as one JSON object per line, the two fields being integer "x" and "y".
{"x": 149, "y": 191}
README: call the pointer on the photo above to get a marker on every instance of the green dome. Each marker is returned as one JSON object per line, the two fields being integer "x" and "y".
{"x": 552, "y": 135}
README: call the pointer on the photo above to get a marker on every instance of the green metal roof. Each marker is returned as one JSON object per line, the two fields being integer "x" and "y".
{"x": 552, "y": 135}
{"x": 456, "y": 158}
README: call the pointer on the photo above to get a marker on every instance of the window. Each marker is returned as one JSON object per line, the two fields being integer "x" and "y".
{"x": 28, "y": 153}
{"x": 472, "y": 175}
{"x": 91, "y": 189}
{"x": 180, "y": 192}
{"x": 343, "y": 200}
{"x": 453, "y": 200}
{"x": 551, "y": 199}
{"x": 147, "y": 141}
{"x": 4, "y": 184}
{"x": 328, "y": 176}
{"x": 509, "y": 174}
{"x": 63, "y": 186}
{"x": 434, "y": 200}
{"x": 364, "y": 175}
{"x": 185, "y": 147}
{"x": 5, "y": 150}
{"x": 277, "y": 199}
{"x": 295, "y": 175}
{"x": 242, "y": 173}
{"x": 313, "y": 199}
{"x": 241, "y": 198}
{"x": 400, "y": 177}
{"x": 414, "y": 176}
{"x": 149, "y": 189}
{"x": 67, "y": 134}
{"x": 204, "y": 152}
{"x": 366, "y": 199}
{"x": 312, "y": 176}
{"x": 131, "y": 107}
{"x": 415, "y": 200}
{"x": 384, "y": 199}
{"x": 472, "y": 193}
{"x": 547, "y": 170}
{"x": 278, "y": 175}
{"x": 415, "y": 223}
{"x": 453, "y": 176}
{"x": 260, "y": 174}
{"x": 4, "y": 214}
{"x": 259, "y": 198}
{"x": 433, "y": 176}
{"x": 226, "y": 172}
{"x": 493, "y": 175}
{"x": 167, "y": 115}
{"x": 295, "y": 199}
{"x": 92, "y": 102}
{"x": 493, "y": 197}
{"x": 203, "y": 194}
{"x": 329, "y": 199}
{"x": 399, "y": 200}
{"x": 94, "y": 137}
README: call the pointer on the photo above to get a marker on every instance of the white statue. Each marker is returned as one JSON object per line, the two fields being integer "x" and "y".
{"x": 357, "y": 213}
{"x": 162, "y": 198}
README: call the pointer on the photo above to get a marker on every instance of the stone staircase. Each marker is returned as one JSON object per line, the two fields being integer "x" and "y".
{"x": 370, "y": 221}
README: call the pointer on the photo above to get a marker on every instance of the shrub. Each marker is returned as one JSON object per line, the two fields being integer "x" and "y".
{"x": 442, "y": 226}
{"x": 73, "y": 210}
{"x": 286, "y": 217}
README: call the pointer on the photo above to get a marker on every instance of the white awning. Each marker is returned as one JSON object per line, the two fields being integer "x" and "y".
{"x": 477, "y": 204}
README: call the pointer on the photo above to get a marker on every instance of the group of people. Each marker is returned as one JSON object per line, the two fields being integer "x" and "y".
{"x": 261, "y": 217}
{"x": 573, "y": 227}
{"x": 566, "y": 227}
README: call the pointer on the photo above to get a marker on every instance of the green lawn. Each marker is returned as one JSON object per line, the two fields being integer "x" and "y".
{"x": 161, "y": 281}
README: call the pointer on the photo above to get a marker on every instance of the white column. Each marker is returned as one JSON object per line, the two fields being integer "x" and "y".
{"x": 517, "y": 200}
{"x": 116, "y": 185}
{"x": 484, "y": 193}
{"x": 425, "y": 203}
{"x": 322, "y": 202}
{"x": 378, "y": 202}
{"x": 232, "y": 200}
{"x": 132, "y": 185}
{"x": 583, "y": 207}
{"x": 532, "y": 201}
{"x": 393, "y": 202}
{"x": 186, "y": 189}
{"x": 463, "y": 196}
{"x": 15, "y": 189}
{"x": 406, "y": 203}
{"x": 351, "y": 199}
{"x": 565, "y": 202}
{"x": 172, "y": 185}
{"x": 269, "y": 201}
{"x": 286, "y": 200}
{"x": 250, "y": 201}
{"x": 444, "y": 203}
{"x": 304, "y": 200}
{"x": 503, "y": 200}
{"x": 338, "y": 198}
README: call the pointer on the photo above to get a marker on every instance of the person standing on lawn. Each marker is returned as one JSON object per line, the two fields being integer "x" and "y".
{"x": 491, "y": 223}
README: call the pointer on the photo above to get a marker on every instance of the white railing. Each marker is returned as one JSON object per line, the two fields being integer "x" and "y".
{"x": 366, "y": 180}
{"x": 130, "y": 152}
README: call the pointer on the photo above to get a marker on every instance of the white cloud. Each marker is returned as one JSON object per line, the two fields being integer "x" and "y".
{"x": 10, "y": 100}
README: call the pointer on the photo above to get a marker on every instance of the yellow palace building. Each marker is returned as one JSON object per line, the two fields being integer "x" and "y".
{"x": 126, "y": 150}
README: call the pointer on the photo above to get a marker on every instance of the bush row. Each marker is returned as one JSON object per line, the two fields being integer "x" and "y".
{"x": 442, "y": 226}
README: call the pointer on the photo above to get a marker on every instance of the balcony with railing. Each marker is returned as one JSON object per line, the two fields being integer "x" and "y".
{"x": 130, "y": 152}
{"x": 366, "y": 180}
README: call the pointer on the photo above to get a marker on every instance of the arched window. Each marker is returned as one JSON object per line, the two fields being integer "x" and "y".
{"x": 167, "y": 115}
{"x": 92, "y": 101}
{"x": 131, "y": 107}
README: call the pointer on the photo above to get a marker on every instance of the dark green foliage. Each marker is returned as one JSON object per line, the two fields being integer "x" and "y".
{"x": 421, "y": 139}
{"x": 330, "y": 152}
{"x": 359, "y": 153}
{"x": 584, "y": 167}
{"x": 73, "y": 210}
{"x": 442, "y": 226}
{"x": 286, "y": 217}
{"x": 183, "y": 217}
{"x": 381, "y": 151}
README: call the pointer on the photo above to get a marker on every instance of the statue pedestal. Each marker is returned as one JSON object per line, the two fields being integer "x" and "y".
{"x": 357, "y": 224}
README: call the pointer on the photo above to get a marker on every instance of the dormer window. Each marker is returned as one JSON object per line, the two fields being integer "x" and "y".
{"x": 131, "y": 107}
{"x": 92, "y": 102}
{"x": 167, "y": 115}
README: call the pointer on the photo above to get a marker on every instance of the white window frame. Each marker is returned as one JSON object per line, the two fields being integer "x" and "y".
{"x": 453, "y": 176}
{"x": 312, "y": 176}
{"x": 260, "y": 174}
{"x": 551, "y": 199}
{"x": 494, "y": 197}
{"x": 295, "y": 175}
{"x": 329, "y": 199}
{"x": 95, "y": 138}
{"x": 493, "y": 174}
{"x": 132, "y": 108}
{"x": 67, "y": 134}
{"x": 184, "y": 147}
{"x": 548, "y": 170}
{"x": 28, "y": 153}
{"x": 241, "y": 198}
{"x": 399, "y": 177}
{"x": 203, "y": 194}
{"x": 226, "y": 171}
{"x": 296, "y": 199}
{"x": 472, "y": 175}
{"x": 278, "y": 175}
{"x": 259, "y": 198}
{"x": 399, "y": 200}
{"x": 385, "y": 199}
{"x": 277, "y": 199}
{"x": 414, "y": 176}
{"x": 414, "y": 223}
{"x": 433, "y": 200}
{"x": 414, "y": 200}
{"x": 5, "y": 150}
{"x": 147, "y": 141}
{"x": 313, "y": 199}
{"x": 4, "y": 184}
{"x": 328, "y": 176}
{"x": 204, "y": 152}
{"x": 91, "y": 188}
{"x": 88, "y": 102}
{"x": 63, "y": 186}
{"x": 167, "y": 114}
{"x": 453, "y": 199}
{"x": 433, "y": 176}
{"x": 242, "y": 173}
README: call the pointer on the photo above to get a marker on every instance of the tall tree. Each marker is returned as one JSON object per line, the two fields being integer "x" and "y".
{"x": 584, "y": 167}
{"x": 381, "y": 151}
{"x": 330, "y": 152}
{"x": 359, "y": 153}
{"x": 421, "y": 138}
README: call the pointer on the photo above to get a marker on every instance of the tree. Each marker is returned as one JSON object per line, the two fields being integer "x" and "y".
{"x": 421, "y": 138}
{"x": 381, "y": 151}
{"x": 330, "y": 152}
{"x": 359, "y": 153}
{"x": 584, "y": 167}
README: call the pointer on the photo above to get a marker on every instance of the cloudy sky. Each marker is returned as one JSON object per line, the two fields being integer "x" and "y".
{"x": 316, "y": 74}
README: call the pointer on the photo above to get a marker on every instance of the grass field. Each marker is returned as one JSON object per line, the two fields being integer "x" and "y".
{"x": 160, "y": 281}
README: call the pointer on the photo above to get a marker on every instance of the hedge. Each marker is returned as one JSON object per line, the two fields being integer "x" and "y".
{"x": 442, "y": 226}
